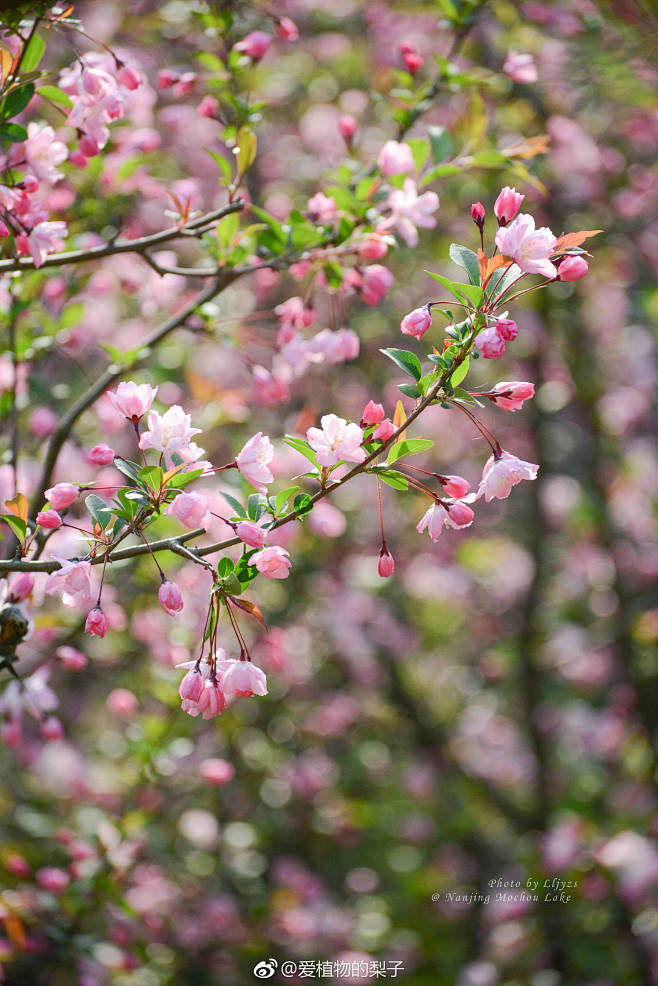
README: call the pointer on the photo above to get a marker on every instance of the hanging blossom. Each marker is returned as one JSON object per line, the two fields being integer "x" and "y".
{"x": 445, "y": 513}
{"x": 254, "y": 459}
{"x": 98, "y": 98}
{"x": 73, "y": 580}
{"x": 503, "y": 471}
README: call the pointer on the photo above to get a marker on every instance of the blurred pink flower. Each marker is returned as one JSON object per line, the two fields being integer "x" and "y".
{"x": 395, "y": 158}
{"x": 409, "y": 210}
{"x": 520, "y": 68}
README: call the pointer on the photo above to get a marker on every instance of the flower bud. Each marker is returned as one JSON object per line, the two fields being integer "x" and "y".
{"x": 61, "y": 495}
{"x": 101, "y": 455}
{"x": 572, "y": 269}
{"x": 454, "y": 485}
{"x": 386, "y": 563}
{"x": 416, "y": 323}
{"x": 20, "y": 586}
{"x": 96, "y": 623}
{"x": 49, "y": 519}
{"x": 287, "y": 30}
{"x": 507, "y": 205}
{"x": 507, "y": 328}
{"x": 347, "y": 127}
{"x": 170, "y": 597}
{"x": 477, "y": 214}
{"x": 491, "y": 343}
{"x": 372, "y": 414}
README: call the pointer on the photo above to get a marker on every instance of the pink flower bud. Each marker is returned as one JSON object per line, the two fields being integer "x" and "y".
{"x": 413, "y": 61}
{"x": 49, "y": 519}
{"x": 217, "y": 772}
{"x": 572, "y": 269}
{"x": 72, "y": 659}
{"x": 101, "y": 455}
{"x": 122, "y": 702}
{"x": 508, "y": 328}
{"x": 88, "y": 146}
{"x": 96, "y": 623}
{"x": 252, "y": 534}
{"x": 4, "y": 231}
{"x": 507, "y": 205}
{"x": 287, "y": 30}
{"x": 376, "y": 282}
{"x": 18, "y": 866}
{"x": 273, "y": 563}
{"x": 490, "y": 343}
{"x": 170, "y": 597}
{"x": 416, "y": 323}
{"x": 255, "y": 45}
{"x": 53, "y": 879}
{"x": 372, "y": 414}
{"x": 395, "y": 159}
{"x": 386, "y": 563}
{"x": 42, "y": 422}
{"x": 129, "y": 77}
{"x": 166, "y": 78}
{"x": 384, "y": 430}
{"x": 455, "y": 485}
{"x": 520, "y": 67}
{"x": 510, "y": 395}
{"x": 347, "y": 127}
{"x": 460, "y": 515}
{"x": 52, "y": 729}
{"x": 20, "y": 586}
{"x": 208, "y": 106}
{"x": 373, "y": 247}
{"x": 30, "y": 184}
{"x": 477, "y": 214}
{"x": 61, "y": 495}
{"x": 77, "y": 158}
{"x": 191, "y": 686}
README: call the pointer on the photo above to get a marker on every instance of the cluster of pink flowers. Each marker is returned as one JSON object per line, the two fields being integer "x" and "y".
{"x": 207, "y": 692}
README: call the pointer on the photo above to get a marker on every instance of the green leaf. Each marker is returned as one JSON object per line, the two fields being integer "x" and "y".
{"x": 472, "y": 292}
{"x": 101, "y": 513}
{"x": 55, "y": 95}
{"x": 128, "y": 468}
{"x": 460, "y": 373}
{"x": 16, "y": 101}
{"x": 301, "y": 446}
{"x": 410, "y": 446}
{"x": 17, "y": 524}
{"x": 445, "y": 283}
{"x": 221, "y": 162}
{"x": 467, "y": 260}
{"x": 409, "y": 390}
{"x": 440, "y": 142}
{"x": 408, "y": 362}
{"x": 499, "y": 283}
{"x": 33, "y": 53}
{"x": 281, "y": 498}
{"x": 391, "y": 478}
{"x": 302, "y": 503}
{"x": 238, "y": 509}
{"x": 256, "y": 506}
{"x": 183, "y": 479}
{"x": 12, "y": 133}
{"x": 420, "y": 149}
{"x": 269, "y": 220}
{"x": 224, "y": 567}
{"x": 151, "y": 476}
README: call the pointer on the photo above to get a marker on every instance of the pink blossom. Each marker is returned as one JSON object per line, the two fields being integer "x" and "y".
{"x": 191, "y": 685}
{"x": 416, "y": 323}
{"x": 337, "y": 347}
{"x": 170, "y": 597}
{"x": 251, "y": 533}
{"x": 49, "y": 519}
{"x": 169, "y": 432}
{"x": 385, "y": 563}
{"x": 166, "y": 78}
{"x": 347, "y": 127}
{"x": 287, "y": 30}
{"x": 216, "y": 771}
{"x": 501, "y": 473}
{"x": 73, "y": 580}
{"x": 270, "y": 387}
{"x": 132, "y": 400}
{"x": 454, "y": 486}
{"x": 375, "y": 246}
{"x": 43, "y": 153}
{"x": 507, "y": 205}
{"x": 336, "y": 441}
{"x": 478, "y": 213}
{"x": 520, "y": 68}
{"x": 384, "y": 430}
{"x": 61, "y": 495}
{"x": 507, "y": 328}
{"x": 572, "y": 269}
{"x": 375, "y": 283}
{"x": 529, "y": 247}
{"x": 212, "y": 700}
{"x": 208, "y": 107}
{"x": 326, "y": 520}
{"x": 20, "y": 586}
{"x": 244, "y": 679}
{"x": 53, "y": 879}
{"x": 44, "y": 239}
{"x": 273, "y": 563}
{"x": 445, "y": 513}
{"x": 490, "y": 343}
{"x": 122, "y": 702}
{"x": 96, "y": 623}
{"x": 395, "y": 158}
{"x": 129, "y": 77}
{"x": 51, "y": 728}
{"x": 510, "y": 395}
{"x": 372, "y": 414}
{"x": 72, "y": 659}
{"x": 321, "y": 208}
{"x": 255, "y": 45}
{"x": 191, "y": 509}
{"x": 409, "y": 210}
{"x": 101, "y": 455}
{"x": 413, "y": 61}
{"x": 254, "y": 461}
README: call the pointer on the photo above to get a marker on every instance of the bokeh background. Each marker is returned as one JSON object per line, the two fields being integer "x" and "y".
{"x": 484, "y": 716}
